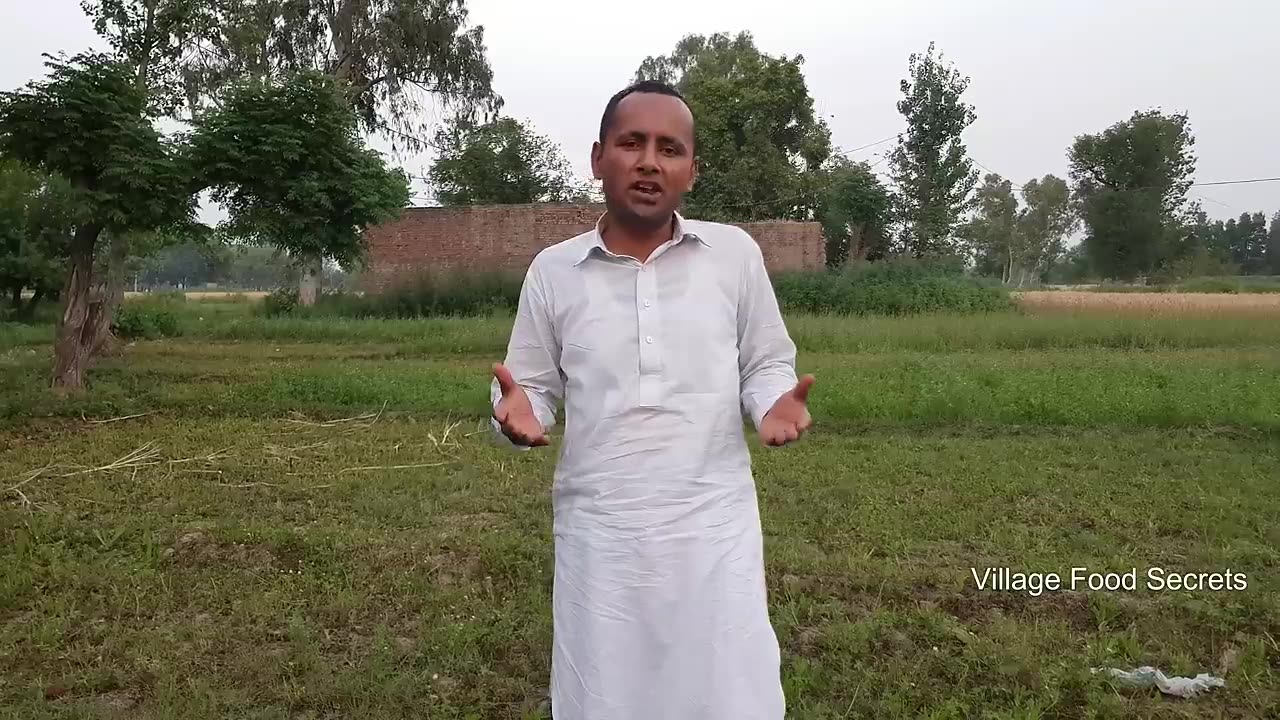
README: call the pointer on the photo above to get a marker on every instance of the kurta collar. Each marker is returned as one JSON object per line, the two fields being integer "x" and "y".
{"x": 595, "y": 241}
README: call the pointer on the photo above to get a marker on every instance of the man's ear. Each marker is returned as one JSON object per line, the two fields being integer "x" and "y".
{"x": 693, "y": 177}
{"x": 597, "y": 152}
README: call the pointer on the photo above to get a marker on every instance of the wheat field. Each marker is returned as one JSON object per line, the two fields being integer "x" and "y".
{"x": 1149, "y": 303}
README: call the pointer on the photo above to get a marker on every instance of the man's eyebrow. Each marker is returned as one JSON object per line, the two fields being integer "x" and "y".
{"x": 672, "y": 140}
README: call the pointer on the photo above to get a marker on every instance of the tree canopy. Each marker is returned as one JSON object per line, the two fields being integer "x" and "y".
{"x": 35, "y": 234}
{"x": 930, "y": 166}
{"x": 503, "y": 161}
{"x": 87, "y": 123}
{"x": 760, "y": 144}
{"x": 286, "y": 160}
{"x": 854, "y": 210}
{"x": 390, "y": 57}
{"x": 1131, "y": 180}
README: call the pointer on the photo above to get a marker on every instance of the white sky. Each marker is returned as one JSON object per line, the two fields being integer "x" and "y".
{"x": 1042, "y": 71}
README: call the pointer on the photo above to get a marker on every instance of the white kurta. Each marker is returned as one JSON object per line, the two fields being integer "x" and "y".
{"x": 659, "y": 597}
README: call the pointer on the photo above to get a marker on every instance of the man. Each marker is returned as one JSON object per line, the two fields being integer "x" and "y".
{"x": 656, "y": 332}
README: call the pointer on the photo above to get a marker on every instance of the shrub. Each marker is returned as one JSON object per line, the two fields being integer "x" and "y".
{"x": 282, "y": 301}
{"x": 891, "y": 287}
{"x": 148, "y": 319}
{"x": 1210, "y": 285}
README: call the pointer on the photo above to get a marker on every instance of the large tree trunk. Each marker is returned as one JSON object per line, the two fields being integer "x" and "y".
{"x": 16, "y": 298}
{"x": 103, "y": 340}
{"x": 71, "y": 349}
{"x": 309, "y": 282}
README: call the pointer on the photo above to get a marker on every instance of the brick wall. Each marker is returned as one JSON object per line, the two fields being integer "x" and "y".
{"x": 509, "y": 236}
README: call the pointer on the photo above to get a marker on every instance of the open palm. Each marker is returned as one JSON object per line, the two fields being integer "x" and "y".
{"x": 514, "y": 412}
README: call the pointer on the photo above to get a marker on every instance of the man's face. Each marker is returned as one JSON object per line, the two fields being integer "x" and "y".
{"x": 646, "y": 161}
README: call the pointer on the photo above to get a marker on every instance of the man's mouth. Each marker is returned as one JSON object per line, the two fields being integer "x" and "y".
{"x": 646, "y": 189}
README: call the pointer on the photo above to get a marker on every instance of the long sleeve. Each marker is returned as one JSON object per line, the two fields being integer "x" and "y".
{"x": 766, "y": 353}
{"x": 533, "y": 354}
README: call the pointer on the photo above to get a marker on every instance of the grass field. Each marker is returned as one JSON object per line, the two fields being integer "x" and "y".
{"x": 269, "y": 518}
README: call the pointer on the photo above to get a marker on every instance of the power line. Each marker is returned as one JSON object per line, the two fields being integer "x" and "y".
{"x": 1237, "y": 182}
{"x": 846, "y": 153}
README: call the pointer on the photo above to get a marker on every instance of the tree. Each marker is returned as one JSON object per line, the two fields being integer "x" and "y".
{"x": 760, "y": 145}
{"x": 387, "y": 56}
{"x": 35, "y": 231}
{"x": 1072, "y": 268}
{"x": 1246, "y": 241}
{"x": 86, "y": 123}
{"x": 930, "y": 165}
{"x": 158, "y": 39}
{"x": 1131, "y": 181}
{"x": 854, "y": 210}
{"x": 993, "y": 232}
{"x": 500, "y": 162}
{"x": 1020, "y": 243}
{"x": 1043, "y": 226}
{"x": 1273, "y": 246}
{"x": 286, "y": 160}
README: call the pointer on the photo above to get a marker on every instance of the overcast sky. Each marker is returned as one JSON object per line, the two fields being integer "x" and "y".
{"x": 1042, "y": 71}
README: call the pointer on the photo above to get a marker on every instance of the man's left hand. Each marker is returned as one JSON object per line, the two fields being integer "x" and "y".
{"x": 788, "y": 419}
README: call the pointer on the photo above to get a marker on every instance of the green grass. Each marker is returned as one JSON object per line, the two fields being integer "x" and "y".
{"x": 265, "y": 563}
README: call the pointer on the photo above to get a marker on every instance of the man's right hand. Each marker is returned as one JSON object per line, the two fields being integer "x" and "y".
{"x": 514, "y": 412}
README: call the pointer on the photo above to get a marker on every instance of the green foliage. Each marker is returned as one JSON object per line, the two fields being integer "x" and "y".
{"x": 853, "y": 208}
{"x": 35, "y": 232}
{"x": 87, "y": 123}
{"x": 288, "y": 164}
{"x": 1273, "y": 246}
{"x": 1233, "y": 285}
{"x": 152, "y": 318}
{"x": 1020, "y": 244}
{"x": 281, "y": 301}
{"x": 759, "y": 142}
{"x": 891, "y": 287}
{"x": 930, "y": 165}
{"x": 388, "y": 56}
{"x": 992, "y": 232}
{"x": 1246, "y": 240}
{"x": 500, "y": 162}
{"x": 1073, "y": 268}
{"x": 1044, "y": 224}
{"x": 154, "y": 38}
{"x": 1131, "y": 181}
{"x": 455, "y": 294}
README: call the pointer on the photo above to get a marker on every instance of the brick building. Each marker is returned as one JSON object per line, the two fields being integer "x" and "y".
{"x": 508, "y": 237}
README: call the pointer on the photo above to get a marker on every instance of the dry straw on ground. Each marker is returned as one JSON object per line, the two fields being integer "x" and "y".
{"x": 1150, "y": 303}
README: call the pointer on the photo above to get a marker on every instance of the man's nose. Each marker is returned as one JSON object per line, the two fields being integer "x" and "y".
{"x": 648, "y": 160}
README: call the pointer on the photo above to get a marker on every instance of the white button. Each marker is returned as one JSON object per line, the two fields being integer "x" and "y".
{"x": 647, "y": 303}
{"x": 649, "y": 339}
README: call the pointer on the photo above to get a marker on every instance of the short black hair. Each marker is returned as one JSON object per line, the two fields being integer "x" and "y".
{"x": 656, "y": 87}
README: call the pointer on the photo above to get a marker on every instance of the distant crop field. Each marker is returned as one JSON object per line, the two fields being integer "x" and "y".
{"x": 1154, "y": 302}
{"x": 211, "y": 295}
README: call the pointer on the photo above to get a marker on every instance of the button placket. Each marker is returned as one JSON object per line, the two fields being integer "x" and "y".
{"x": 649, "y": 333}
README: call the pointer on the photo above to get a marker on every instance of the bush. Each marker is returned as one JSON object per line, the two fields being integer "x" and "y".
{"x": 148, "y": 319}
{"x": 283, "y": 301}
{"x": 891, "y": 287}
{"x": 463, "y": 294}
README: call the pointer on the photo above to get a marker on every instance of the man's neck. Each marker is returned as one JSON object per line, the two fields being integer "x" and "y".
{"x": 638, "y": 243}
